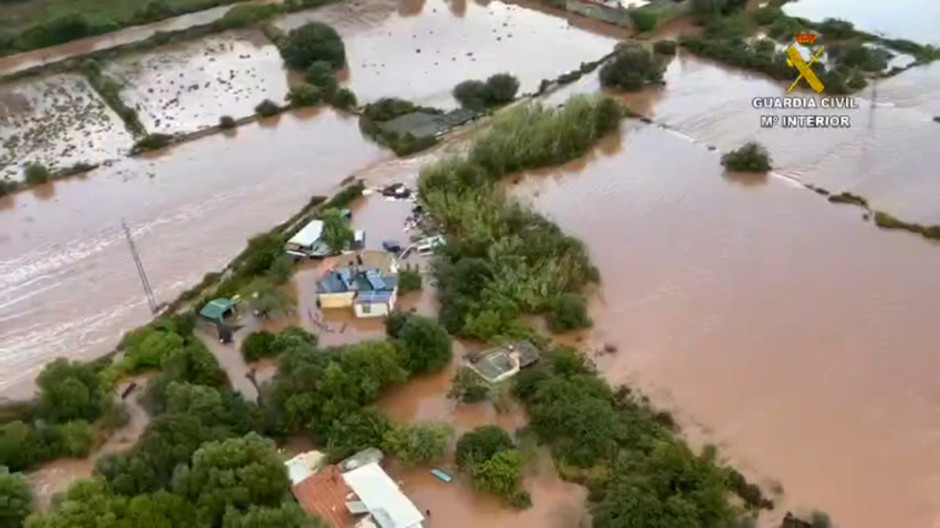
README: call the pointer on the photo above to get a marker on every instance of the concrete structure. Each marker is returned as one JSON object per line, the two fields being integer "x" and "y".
{"x": 426, "y": 126}
{"x": 381, "y": 498}
{"x": 308, "y": 241}
{"x": 362, "y": 458}
{"x": 304, "y": 465}
{"x": 503, "y": 362}
{"x": 370, "y": 291}
{"x": 363, "y": 496}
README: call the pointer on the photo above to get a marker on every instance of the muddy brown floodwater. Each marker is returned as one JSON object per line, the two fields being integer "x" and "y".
{"x": 421, "y": 50}
{"x": 40, "y": 57}
{"x": 68, "y": 286}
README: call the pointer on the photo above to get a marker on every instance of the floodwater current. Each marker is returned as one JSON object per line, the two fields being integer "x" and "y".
{"x": 789, "y": 331}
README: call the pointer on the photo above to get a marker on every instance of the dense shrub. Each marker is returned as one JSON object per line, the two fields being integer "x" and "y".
{"x": 665, "y": 47}
{"x": 467, "y": 386}
{"x": 37, "y": 174}
{"x": 16, "y": 499}
{"x": 502, "y": 88}
{"x": 155, "y": 141}
{"x": 305, "y": 95}
{"x": 425, "y": 345}
{"x": 227, "y": 122}
{"x": 409, "y": 279}
{"x": 750, "y": 157}
{"x": 322, "y": 75}
{"x": 767, "y": 15}
{"x": 489, "y": 456}
{"x": 258, "y": 345}
{"x": 481, "y": 444}
{"x": 631, "y": 68}
{"x": 267, "y": 108}
{"x": 568, "y": 312}
{"x": 344, "y": 99}
{"x": 498, "y": 89}
{"x": 313, "y": 42}
{"x": 7, "y": 186}
{"x": 504, "y": 259}
{"x": 836, "y": 29}
{"x": 245, "y": 15}
{"x": 419, "y": 443}
{"x": 784, "y": 28}
{"x": 337, "y": 234}
{"x": 643, "y": 20}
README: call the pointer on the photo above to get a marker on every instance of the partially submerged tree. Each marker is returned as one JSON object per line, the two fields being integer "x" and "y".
{"x": 16, "y": 499}
{"x": 467, "y": 386}
{"x": 425, "y": 344}
{"x": 419, "y": 443}
{"x": 751, "y": 157}
{"x": 632, "y": 67}
{"x": 336, "y": 231}
{"x": 313, "y": 42}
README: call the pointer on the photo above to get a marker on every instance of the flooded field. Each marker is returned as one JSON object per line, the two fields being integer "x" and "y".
{"x": 885, "y": 155}
{"x": 58, "y": 121}
{"x": 188, "y": 87}
{"x": 421, "y": 50}
{"x": 68, "y": 286}
{"x": 784, "y": 328}
{"x": 25, "y": 61}
{"x": 910, "y": 19}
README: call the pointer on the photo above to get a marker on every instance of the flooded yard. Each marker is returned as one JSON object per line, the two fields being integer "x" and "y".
{"x": 188, "y": 87}
{"x": 421, "y": 50}
{"x": 58, "y": 121}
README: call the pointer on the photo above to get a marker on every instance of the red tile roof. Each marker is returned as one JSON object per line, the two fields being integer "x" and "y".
{"x": 324, "y": 495}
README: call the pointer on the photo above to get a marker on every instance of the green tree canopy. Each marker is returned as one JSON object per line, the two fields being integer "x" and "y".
{"x": 568, "y": 312}
{"x": 336, "y": 231}
{"x": 481, "y": 444}
{"x": 355, "y": 431}
{"x": 70, "y": 391}
{"x": 16, "y": 499}
{"x": 419, "y": 443}
{"x": 502, "y": 88}
{"x": 313, "y": 42}
{"x": 287, "y": 515}
{"x": 501, "y": 474}
{"x": 236, "y": 473}
{"x": 195, "y": 364}
{"x": 426, "y": 345}
{"x": 632, "y": 68}
{"x": 258, "y": 345}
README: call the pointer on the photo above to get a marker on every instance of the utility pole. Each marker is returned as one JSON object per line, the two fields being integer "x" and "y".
{"x": 144, "y": 281}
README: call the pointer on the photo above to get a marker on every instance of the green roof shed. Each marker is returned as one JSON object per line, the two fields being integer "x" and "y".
{"x": 217, "y": 310}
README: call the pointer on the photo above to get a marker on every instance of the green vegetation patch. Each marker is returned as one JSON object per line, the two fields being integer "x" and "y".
{"x": 750, "y": 157}
{"x": 632, "y": 67}
{"x": 501, "y": 259}
{"x": 849, "y": 198}
{"x": 418, "y": 133}
{"x": 499, "y": 89}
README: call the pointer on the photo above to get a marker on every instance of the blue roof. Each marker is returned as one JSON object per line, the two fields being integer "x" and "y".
{"x": 371, "y": 297}
{"x": 375, "y": 280}
{"x": 391, "y": 282}
{"x": 334, "y": 282}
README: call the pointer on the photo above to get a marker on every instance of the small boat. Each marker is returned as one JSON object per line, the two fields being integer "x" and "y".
{"x": 441, "y": 474}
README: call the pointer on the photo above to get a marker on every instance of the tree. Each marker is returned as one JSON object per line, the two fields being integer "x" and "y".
{"x": 258, "y": 345}
{"x": 205, "y": 403}
{"x": 409, "y": 279}
{"x": 322, "y": 75}
{"x": 501, "y": 88}
{"x": 643, "y": 20}
{"x": 632, "y": 67}
{"x": 86, "y": 504}
{"x": 501, "y": 474}
{"x": 287, "y": 515}
{"x": 16, "y": 499}
{"x": 196, "y": 364}
{"x": 69, "y": 391}
{"x": 665, "y": 47}
{"x": 472, "y": 94}
{"x": 19, "y": 446}
{"x": 356, "y": 431}
{"x": 313, "y": 42}
{"x": 261, "y": 254}
{"x": 267, "y": 299}
{"x": 237, "y": 473}
{"x": 305, "y": 95}
{"x": 481, "y": 444}
{"x": 751, "y": 157}
{"x": 419, "y": 443}
{"x": 37, "y": 174}
{"x": 153, "y": 349}
{"x": 158, "y": 510}
{"x": 336, "y": 231}
{"x": 267, "y": 108}
{"x": 568, "y": 312}
{"x": 344, "y": 99}
{"x": 426, "y": 345}
{"x": 395, "y": 321}
{"x": 467, "y": 386}
{"x": 293, "y": 337}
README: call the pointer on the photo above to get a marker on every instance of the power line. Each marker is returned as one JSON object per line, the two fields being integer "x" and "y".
{"x": 144, "y": 281}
